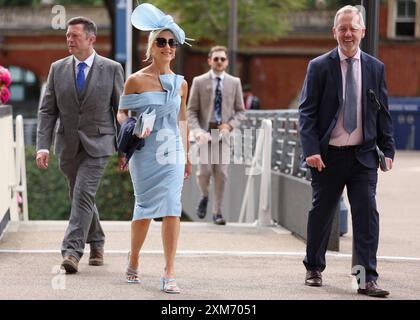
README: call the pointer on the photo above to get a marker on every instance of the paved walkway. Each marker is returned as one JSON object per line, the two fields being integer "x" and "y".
{"x": 237, "y": 261}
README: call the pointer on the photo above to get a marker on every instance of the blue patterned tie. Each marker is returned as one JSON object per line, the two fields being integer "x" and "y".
{"x": 80, "y": 78}
{"x": 350, "y": 100}
{"x": 218, "y": 102}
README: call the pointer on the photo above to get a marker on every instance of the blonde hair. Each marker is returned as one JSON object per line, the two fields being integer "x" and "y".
{"x": 356, "y": 10}
{"x": 152, "y": 38}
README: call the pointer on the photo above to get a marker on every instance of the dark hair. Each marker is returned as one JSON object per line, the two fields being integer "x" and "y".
{"x": 88, "y": 25}
{"x": 218, "y": 48}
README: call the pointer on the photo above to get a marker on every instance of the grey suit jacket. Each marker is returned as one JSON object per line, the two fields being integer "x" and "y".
{"x": 87, "y": 119}
{"x": 201, "y": 102}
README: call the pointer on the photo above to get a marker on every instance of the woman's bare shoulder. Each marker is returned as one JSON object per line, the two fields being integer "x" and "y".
{"x": 137, "y": 82}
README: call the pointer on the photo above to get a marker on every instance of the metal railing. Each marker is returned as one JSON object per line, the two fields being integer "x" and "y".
{"x": 286, "y": 148}
{"x": 29, "y": 130}
{"x": 287, "y": 160}
{"x": 260, "y": 166}
{"x": 13, "y": 190}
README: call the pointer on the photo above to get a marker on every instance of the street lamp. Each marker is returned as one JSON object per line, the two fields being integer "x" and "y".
{"x": 370, "y": 43}
{"x": 233, "y": 36}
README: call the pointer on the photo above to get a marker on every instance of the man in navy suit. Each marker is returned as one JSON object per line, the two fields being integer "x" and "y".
{"x": 339, "y": 130}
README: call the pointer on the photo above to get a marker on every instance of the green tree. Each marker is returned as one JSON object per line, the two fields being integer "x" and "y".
{"x": 334, "y": 4}
{"x": 258, "y": 20}
{"x": 35, "y": 3}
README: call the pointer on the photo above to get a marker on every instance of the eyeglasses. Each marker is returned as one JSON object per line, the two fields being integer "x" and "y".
{"x": 162, "y": 42}
{"x": 216, "y": 59}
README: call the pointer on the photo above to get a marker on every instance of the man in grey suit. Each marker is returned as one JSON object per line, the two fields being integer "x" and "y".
{"x": 215, "y": 105}
{"x": 82, "y": 92}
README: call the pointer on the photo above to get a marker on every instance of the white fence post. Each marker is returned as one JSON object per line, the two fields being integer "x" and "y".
{"x": 20, "y": 171}
{"x": 264, "y": 210}
{"x": 248, "y": 203}
{"x": 261, "y": 164}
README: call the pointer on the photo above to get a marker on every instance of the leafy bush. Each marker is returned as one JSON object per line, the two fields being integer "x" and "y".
{"x": 48, "y": 195}
{"x": 115, "y": 197}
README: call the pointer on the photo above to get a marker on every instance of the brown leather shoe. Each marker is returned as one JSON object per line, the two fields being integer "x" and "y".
{"x": 96, "y": 257}
{"x": 70, "y": 264}
{"x": 372, "y": 289}
{"x": 313, "y": 278}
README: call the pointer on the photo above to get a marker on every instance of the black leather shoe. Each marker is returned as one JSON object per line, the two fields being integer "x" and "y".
{"x": 313, "y": 278}
{"x": 202, "y": 207}
{"x": 219, "y": 220}
{"x": 373, "y": 290}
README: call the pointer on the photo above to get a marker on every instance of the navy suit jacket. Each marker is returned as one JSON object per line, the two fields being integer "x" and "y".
{"x": 321, "y": 101}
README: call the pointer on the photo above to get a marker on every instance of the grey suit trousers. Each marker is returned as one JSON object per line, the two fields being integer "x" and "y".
{"x": 83, "y": 175}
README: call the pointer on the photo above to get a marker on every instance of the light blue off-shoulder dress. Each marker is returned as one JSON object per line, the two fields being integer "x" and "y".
{"x": 157, "y": 170}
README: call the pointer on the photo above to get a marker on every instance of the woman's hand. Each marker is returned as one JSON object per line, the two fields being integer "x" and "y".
{"x": 188, "y": 168}
{"x": 121, "y": 116}
{"x": 147, "y": 133}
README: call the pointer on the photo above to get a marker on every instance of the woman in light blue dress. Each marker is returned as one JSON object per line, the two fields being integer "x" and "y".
{"x": 158, "y": 170}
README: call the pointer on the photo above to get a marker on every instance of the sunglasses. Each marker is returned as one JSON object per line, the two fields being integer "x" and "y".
{"x": 216, "y": 59}
{"x": 162, "y": 42}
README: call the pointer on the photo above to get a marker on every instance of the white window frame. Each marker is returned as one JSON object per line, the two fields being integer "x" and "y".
{"x": 393, "y": 19}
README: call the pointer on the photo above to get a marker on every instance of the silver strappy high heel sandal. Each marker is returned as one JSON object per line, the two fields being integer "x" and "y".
{"x": 131, "y": 274}
{"x": 169, "y": 285}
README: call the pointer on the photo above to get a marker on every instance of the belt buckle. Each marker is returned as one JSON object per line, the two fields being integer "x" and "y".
{"x": 214, "y": 125}
{"x": 342, "y": 148}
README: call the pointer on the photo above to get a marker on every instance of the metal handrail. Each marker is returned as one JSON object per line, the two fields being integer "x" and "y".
{"x": 286, "y": 148}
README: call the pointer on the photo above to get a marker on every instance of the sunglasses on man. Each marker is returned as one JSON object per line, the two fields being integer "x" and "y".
{"x": 162, "y": 42}
{"x": 216, "y": 59}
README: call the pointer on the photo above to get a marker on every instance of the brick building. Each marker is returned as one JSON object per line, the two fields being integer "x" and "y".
{"x": 276, "y": 71}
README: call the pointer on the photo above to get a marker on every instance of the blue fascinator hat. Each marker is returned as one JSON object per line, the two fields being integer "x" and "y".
{"x": 147, "y": 17}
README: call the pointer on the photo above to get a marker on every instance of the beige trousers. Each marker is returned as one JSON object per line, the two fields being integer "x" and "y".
{"x": 214, "y": 158}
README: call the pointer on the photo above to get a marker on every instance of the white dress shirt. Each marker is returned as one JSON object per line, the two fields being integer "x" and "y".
{"x": 339, "y": 136}
{"x": 88, "y": 61}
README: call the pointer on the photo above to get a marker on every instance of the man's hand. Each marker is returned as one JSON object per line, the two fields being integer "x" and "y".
{"x": 202, "y": 138}
{"x": 42, "y": 160}
{"x": 389, "y": 163}
{"x": 315, "y": 161}
{"x": 224, "y": 128}
{"x": 224, "y": 131}
{"x": 121, "y": 162}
